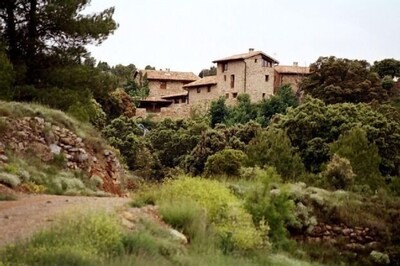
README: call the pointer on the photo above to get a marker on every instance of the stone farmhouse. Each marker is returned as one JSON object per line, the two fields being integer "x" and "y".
{"x": 174, "y": 94}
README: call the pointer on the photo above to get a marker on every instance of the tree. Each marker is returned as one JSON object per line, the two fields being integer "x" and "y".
{"x": 272, "y": 147}
{"x": 6, "y": 76}
{"x": 312, "y": 126}
{"x": 42, "y": 34}
{"x": 242, "y": 112}
{"x": 148, "y": 67}
{"x": 218, "y": 111}
{"x": 363, "y": 155}
{"x": 387, "y": 67}
{"x": 276, "y": 104}
{"x": 337, "y": 80}
{"x": 212, "y": 71}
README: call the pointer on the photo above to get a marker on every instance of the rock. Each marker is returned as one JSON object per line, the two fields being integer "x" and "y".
{"x": 337, "y": 229}
{"x": 83, "y": 157}
{"x": 3, "y": 158}
{"x": 68, "y": 141}
{"x": 178, "y": 236}
{"x": 372, "y": 245}
{"x": 78, "y": 140}
{"x": 346, "y": 231}
{"x": 107, "y": 153}
{"x": 129, "y": 216}
{"x": 55, "y": 149}
{"x": 355, "y": 247}
{"x": 328, "y": 227}
{"x": 39, "y": 120}
{"x": 127, "y": 224}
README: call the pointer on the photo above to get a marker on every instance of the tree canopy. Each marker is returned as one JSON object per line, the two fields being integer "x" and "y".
{"x": 42, "y": 34}
{"x": 337, "y": 80}
{"x": 387, "y": 67}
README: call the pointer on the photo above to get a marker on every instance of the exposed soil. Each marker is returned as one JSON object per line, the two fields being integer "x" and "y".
{"x": 19, "y": 219}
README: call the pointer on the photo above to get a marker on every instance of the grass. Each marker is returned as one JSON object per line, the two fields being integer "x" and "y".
{"x": 7, "y": 197}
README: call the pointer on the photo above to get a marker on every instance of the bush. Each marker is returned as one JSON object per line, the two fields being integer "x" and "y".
{"x": 9, "y": 179}
{"x": 226, "y": 162}
{"x": 339, "y": 173}
{"x": 267, "y": 203}
{"x": 187, "y": 217}
{"x": 363, "y": 155}
{"x": 232, "y": 223}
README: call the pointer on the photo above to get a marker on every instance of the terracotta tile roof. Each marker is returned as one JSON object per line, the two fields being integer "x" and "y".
{"x": 210, "y": 80}
{"x": 292, "y": 70}
{"x": 175, "y": 95}
{"x": 245, "y": 56}
{"x": 169, "y": 75}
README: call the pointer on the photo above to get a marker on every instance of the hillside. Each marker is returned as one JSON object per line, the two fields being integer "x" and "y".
{"x": 45, "y": 151}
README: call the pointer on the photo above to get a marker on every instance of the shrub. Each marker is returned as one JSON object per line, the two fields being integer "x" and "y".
{"x": 187, "y": 217}
{"x": 226, "y": 212}
{"x": 6, "y": 197}
{"x": 380, "y": 258}
{"x": 339, "y": 173}
{"x": 226, "y": 162}
{"x": 363, "y": 155}
{"x": 9, "y": 179}
{"x": 272, "y": 205}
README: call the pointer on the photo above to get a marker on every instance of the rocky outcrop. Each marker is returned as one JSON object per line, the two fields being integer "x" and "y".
{"x": 49, "y": 142}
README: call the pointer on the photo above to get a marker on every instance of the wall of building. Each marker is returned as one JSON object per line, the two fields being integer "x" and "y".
{"x": 172, "y": 87}
{"x": 224, "y": 79}
{"x": 283, "y": 79}
{"x": 256, "y": 85}
{"x": 202, "y": 95}
{"x": 249, "y": 78}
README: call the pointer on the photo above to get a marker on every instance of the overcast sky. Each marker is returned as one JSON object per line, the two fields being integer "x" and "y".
{"x": 187, "y": 35}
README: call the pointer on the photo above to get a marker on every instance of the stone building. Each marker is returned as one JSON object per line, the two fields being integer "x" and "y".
{"x": 251, "y": 73}
{"x": 203, "y": 91}
{"x": 289, "y": 75}
{"x": 166, "y": 88}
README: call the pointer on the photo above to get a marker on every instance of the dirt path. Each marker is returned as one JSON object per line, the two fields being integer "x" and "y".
{"x": 30, "y": 213}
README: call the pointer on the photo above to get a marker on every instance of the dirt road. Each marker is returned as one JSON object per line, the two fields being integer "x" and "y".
{"x": 21, "y": 218}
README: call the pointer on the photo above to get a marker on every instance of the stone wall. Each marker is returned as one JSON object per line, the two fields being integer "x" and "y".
{"x": 172, "y": 87}
{"x": 250, "y": 78}
{"x": 356, "y": 239}
{"x": 203, "y": 94}
{"x": 283, "y": 79}
{"x": 36, "y": 137}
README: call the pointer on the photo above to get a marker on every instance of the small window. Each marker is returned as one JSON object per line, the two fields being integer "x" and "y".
{"x": 265, "y": 63}
{"x": 234, "y": 95}
{"x": 163, "y": 85}
{"x": 176, "y": 100}
{"x": 183, "y": 100}
{"x": 263, "y": 95}
{"x": 198, "y": 90}
{"x": 232, "y": 81}
{"x": 266, "y": 78}
{"x": 224, "y": 67}
{"x": 227, "y": 95}
{"x": 255, "y": 60}
{"x": 224, "y": 77}
{"x": 209, "y": 89}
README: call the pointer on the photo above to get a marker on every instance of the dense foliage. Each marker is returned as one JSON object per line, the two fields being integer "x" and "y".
{"x": 336, "y": 80}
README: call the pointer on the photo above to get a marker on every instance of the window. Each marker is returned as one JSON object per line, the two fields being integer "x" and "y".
{"x": 263, "y": 95}
{"x": 265, "y": 63}
{"x": 224, "y": 77}
{"x": 255, "y": 60}
{"x": 163, "y": 85}
{"x": 232, "y": 81}
{"x": 198, "y": 90}
{"x": 224, "y": 67}
{"x": 266, "y": 78}
{"x": 183, "y": 100}
{"x": 234, "y": 95}
{"x": 209, "y": 89}
{"x": 176, "y": 100}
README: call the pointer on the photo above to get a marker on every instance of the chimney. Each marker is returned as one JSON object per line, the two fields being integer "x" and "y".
{"x": 295, "y": 64}
{"x": 251, "y": 50}
{"x": 167, "y": 69}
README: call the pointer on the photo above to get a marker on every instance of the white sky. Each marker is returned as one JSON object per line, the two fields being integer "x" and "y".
{"x": 187, "y": 35}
